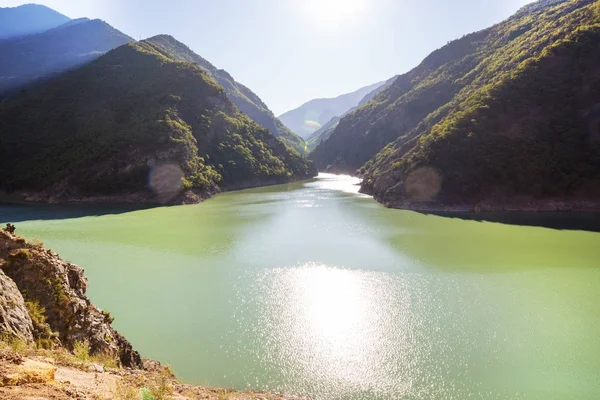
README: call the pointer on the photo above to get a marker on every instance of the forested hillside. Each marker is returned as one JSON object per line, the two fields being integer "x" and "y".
{"x": 136, "y": 125}
{"x": 506, "y": 116}
{"x": 326, "y": 130}
{"x": 248, "y": 102}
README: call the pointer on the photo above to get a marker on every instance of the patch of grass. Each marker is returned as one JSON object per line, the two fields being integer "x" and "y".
{"x": 13, "y": 344}
{"x": 106, "y": 359}
{"x": 161, "y": 387}
{"x": 36, "y": 242}
{"x": 20, "y": 254}
{"x": 36, "y": 312}
{"x": 124, "y": 391}
{"x": 81, "y": 350}
{"x": 107, "y": 317}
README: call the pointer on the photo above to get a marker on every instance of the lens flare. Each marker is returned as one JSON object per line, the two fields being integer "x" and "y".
{"x": 165, "y": 180}
{"x": 311, "y": 126}
{"x": 423, "y": 184}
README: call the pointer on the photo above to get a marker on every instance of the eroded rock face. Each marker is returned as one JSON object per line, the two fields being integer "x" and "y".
{"x": 14, "y": 318}
{"x": 60, "y": 288}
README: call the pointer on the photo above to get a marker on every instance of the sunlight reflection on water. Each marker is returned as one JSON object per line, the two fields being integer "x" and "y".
{"x": 341, "y": 183}
{"x": 332, "y": 327}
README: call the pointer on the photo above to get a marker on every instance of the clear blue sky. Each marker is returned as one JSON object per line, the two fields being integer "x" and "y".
{"x": 292, "y": 51}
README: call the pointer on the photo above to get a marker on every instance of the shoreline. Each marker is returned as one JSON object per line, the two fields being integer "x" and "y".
{"x": 188, "y": 197}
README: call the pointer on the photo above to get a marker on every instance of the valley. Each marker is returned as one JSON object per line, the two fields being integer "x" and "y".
{"x": 167, "y": 236}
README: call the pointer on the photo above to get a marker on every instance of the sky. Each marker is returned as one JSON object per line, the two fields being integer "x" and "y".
{"x": 292, "y": 51}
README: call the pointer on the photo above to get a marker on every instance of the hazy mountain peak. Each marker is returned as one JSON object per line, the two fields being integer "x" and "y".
{"x": 28, "y": 19}
{"x": 314, "y": 114}
{"x": 34, "y": 57}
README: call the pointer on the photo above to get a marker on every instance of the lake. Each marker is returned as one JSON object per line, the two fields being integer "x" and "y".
{"x": 313, "y": 289}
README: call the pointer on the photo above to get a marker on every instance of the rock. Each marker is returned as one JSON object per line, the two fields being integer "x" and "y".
{"x": 60, "y": 288}
{"x": 14, "y": 318}
{"x": 95, "y": 368}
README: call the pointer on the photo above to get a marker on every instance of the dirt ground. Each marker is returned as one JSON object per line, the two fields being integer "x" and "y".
{"x": 41, "y": 379}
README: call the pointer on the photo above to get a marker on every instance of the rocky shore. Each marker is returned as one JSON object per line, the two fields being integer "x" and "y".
{"x": 55, "y": 344}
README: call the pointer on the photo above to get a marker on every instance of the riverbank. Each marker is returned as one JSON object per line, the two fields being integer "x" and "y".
{"x": 143, "y": 199}
{"x": 28, "y": 373}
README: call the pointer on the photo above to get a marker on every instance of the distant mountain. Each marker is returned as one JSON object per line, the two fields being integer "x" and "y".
{"x": 30, "y": 58}
{"x": 248, "y": 102}
{"x": 502, "y": 119}
{"x": 28, "y": 19}
{"x": 314, "y": 139}
{"x": 136, "y": 125}
{"x": 311, "y": 116}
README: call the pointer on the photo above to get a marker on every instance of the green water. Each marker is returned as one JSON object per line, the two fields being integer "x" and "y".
{"x": 313, "y": 289}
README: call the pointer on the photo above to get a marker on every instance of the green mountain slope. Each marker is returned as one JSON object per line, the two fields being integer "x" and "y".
{"x": 326, "y": 130}
{"x": 248, "y": 102}
{"x": 132, "y": 121}
{"x": 32, "y": 58}
{"x": 28, "y": 19}
{"x": 502, "y": 118}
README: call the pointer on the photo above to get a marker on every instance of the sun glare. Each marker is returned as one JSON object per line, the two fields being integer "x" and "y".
{"x": 334, "y": 14}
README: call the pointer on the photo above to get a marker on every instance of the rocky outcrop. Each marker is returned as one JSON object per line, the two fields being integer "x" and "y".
{"x": 58, "y": 288}
{"x": 14, "y": 318}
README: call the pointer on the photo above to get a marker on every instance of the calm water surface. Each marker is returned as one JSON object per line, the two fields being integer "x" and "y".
{"x": 314, "y": 289}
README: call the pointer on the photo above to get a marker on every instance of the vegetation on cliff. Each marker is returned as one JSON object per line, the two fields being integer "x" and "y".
{"x": 104, "y": 128}
{"x": 511, "y": 110}
{"x": 243, "y": 98}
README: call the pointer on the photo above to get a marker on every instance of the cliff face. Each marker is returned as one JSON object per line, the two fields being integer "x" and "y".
{"x": 504, "y": 118}
{"x": 14, "y": 318}
{"x": 55, "y": 292}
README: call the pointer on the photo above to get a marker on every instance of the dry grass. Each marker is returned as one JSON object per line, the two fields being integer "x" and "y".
{"x": 126, "y": 392}
{"x": 80, "y": 358}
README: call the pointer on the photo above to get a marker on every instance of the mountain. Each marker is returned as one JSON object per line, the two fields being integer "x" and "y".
{"x": 312, "y": 115}
{"x": 505, "y": 118}
{"x": 138, "y": 126}
{"x": 248, "y": 102}
{"x": 28, "y": 19}
{"x": 315, "y": 138}
{"x": 31, "y": 58}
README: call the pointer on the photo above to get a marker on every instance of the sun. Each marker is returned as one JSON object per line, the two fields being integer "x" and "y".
{"x": 334, "y": 13}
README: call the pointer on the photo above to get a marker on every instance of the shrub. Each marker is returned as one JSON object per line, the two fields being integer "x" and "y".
{"x": 20, "y": 254}
{"x": 81, "y": 350}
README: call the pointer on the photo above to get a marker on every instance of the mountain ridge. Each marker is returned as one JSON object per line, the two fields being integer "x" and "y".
{"x": 28, "y": 19}
{"x": 397, "y": 140}
{"x": 143, "y": 117}
{"x": 315, "y": 138}
{"x": 29, "y": 59}
{"x": 246, "y": 100}
{"x": 318, "y": 112}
